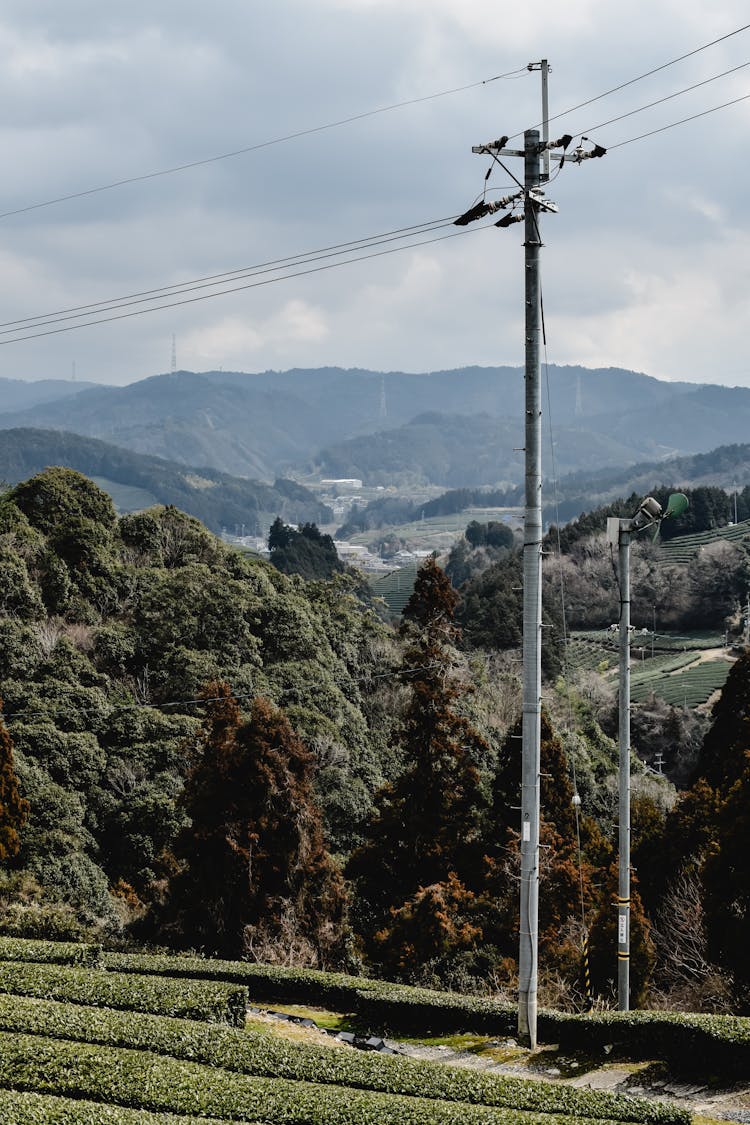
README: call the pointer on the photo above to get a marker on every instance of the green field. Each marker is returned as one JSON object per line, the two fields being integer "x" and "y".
{"x": 395, "y": 588}
{"x": 438, "y": 532}
{"x": 673, "y": 673}
{"x": 125, "y": 1052}
{"x": 685, "y": 547}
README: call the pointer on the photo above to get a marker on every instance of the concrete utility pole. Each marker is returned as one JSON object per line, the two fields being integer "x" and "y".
{"x": 623, "y": 742}
{"x": 533, "y": 200}
{"x": 532, "y": 612}
{"x": 619, "y": 532}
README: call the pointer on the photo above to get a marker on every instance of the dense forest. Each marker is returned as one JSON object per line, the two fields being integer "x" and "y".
{"x": 200, "y": 751}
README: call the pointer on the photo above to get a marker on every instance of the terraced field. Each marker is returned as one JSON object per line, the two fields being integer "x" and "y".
{"x": 685, "y": 547}
{"x": 676, "y": 672}
{"x": 395, "y": 588}
{"x": 163, "y": 1041}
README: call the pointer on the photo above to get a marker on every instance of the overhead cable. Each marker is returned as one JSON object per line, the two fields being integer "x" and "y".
{"x": 336, "y": 250}
{"x": 639, "y": 78}
{"x": 236, "y": 288}
{"x": 256, "y": 147}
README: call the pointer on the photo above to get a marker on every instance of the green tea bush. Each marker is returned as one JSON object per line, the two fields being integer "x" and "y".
{"x": 23, "y": 1108}
{"x": 142, "y": 1080}
{"x": 49, "y": 952}
{"x": 271, "y": 1056}
{"x": 197, "y": 1000}
{"x": 700, "y": 1044}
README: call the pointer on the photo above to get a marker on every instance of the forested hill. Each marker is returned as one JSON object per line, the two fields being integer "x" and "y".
{"x": 215, "y": 498}
{"x": 198, "y": 750}
{"x": 261, "y": 425}
{"x": 109, "y": 630}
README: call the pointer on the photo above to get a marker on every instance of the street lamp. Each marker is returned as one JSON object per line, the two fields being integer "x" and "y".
{"x": 619, "y": 532}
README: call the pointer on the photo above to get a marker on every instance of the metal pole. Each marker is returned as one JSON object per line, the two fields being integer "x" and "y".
{"x": 623, "y": 896}
{"x": 544, "y": 67}
{"x": 532, "y": 616}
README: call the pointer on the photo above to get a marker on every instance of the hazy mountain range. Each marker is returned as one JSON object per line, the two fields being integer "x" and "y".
{"x": 448, "y": 428}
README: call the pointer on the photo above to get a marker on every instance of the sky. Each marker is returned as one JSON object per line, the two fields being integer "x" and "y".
{"x": 646, "y": 266}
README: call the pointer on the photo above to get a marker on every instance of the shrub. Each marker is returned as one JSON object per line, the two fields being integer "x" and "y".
{"x": 196, "y": 1000}
{"x": 147, "y": 1081}
{"x": 271, "y": 1056}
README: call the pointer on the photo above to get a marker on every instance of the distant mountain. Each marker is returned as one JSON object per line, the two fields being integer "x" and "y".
{"x": 373, "y": 425}
{"x": 16, "y": 394}
{"x": 727, "y": 467}
{"x": 136, "y": 481}
{"x": 461, "y": 451}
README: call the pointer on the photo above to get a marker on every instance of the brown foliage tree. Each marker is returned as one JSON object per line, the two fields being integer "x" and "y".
{"x": 254, "y": 875}
{"x": 14, "y": 809}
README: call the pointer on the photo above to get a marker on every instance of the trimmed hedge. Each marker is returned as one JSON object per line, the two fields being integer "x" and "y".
{"x": 49, "y": 952}
{"x": 265, "y": 1054}
{"x": 143, "y": 1080}
{"x": 211, "y": 1001}
{"x": 692, "y": 1043}
{"x": 271, "y": 983}
{"x": 22, "y": 1108}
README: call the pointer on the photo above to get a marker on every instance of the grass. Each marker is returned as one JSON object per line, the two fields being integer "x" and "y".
{"x": 328, "y": 1021}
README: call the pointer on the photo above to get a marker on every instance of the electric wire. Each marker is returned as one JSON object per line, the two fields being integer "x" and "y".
{"x": 639, "y": 78}
{"x": 238, "y": 288}
{"x": 666, "y": 98}
{"x": 682, "y": 121}
{"x": 563, "y": 602}
{"x": 393, "y": 673}
{"x": 260, "y": 145}
{"x": 177, "y": 288}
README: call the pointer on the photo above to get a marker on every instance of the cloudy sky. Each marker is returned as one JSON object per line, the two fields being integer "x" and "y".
{"x": 647, "y": 265}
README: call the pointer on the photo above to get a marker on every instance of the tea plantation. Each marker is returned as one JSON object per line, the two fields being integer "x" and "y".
{"x": 88, "y": 1038}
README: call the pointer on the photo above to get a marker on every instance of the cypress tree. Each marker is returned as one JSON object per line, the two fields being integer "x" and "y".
{"x": 425, "y": 831}
{"x": 14, "y": 809}
{"x": 254, "y": 875}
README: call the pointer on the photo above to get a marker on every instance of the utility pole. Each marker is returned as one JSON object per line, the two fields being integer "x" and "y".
{"x": 531, "y": 197}
{"x": 532, "y": 611}
{"x": 619, "y": 532}
{"x": 623, "y": 743}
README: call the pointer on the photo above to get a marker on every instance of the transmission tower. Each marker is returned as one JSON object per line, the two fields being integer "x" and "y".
{"x": 174, "y": 354}
{"x": 383, "y": 408}
{"x": 579, "y": 398}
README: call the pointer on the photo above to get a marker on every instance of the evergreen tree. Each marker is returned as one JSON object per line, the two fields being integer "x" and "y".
{"x": 563, "y": 879}
{"x": 254, "y": 876}
{"x": 425, "y": 833}
{"x": 13, "y": 808}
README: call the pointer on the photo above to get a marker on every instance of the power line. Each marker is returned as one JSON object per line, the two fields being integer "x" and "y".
{"x": 682, "y": 121}
{"x": 639, "y": 78}
{"x": 256, "y": 147}
{"x": 666, "y": 98}
{"x": 235, "y": 289}
{"x": 222, "y": 278}
{"x": 391, "y": 674}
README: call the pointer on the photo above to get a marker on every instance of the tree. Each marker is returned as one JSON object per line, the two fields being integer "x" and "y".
{"x": 254, "y": 876}
{"x": 14, "y": 809}
{"x": 563, "y": 880}
{"x": 305, "y": 551}
{"x": 425, "y": 831}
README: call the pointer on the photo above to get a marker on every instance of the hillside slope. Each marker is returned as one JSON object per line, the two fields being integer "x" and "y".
{"x": 215, "y": 498}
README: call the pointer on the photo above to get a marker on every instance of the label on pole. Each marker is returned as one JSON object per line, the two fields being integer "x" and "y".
{"x": 622, "y": 929}
{"x": 526, "y": 831}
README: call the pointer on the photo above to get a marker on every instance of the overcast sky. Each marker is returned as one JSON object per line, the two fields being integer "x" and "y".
{"x": 647, "y": 265}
